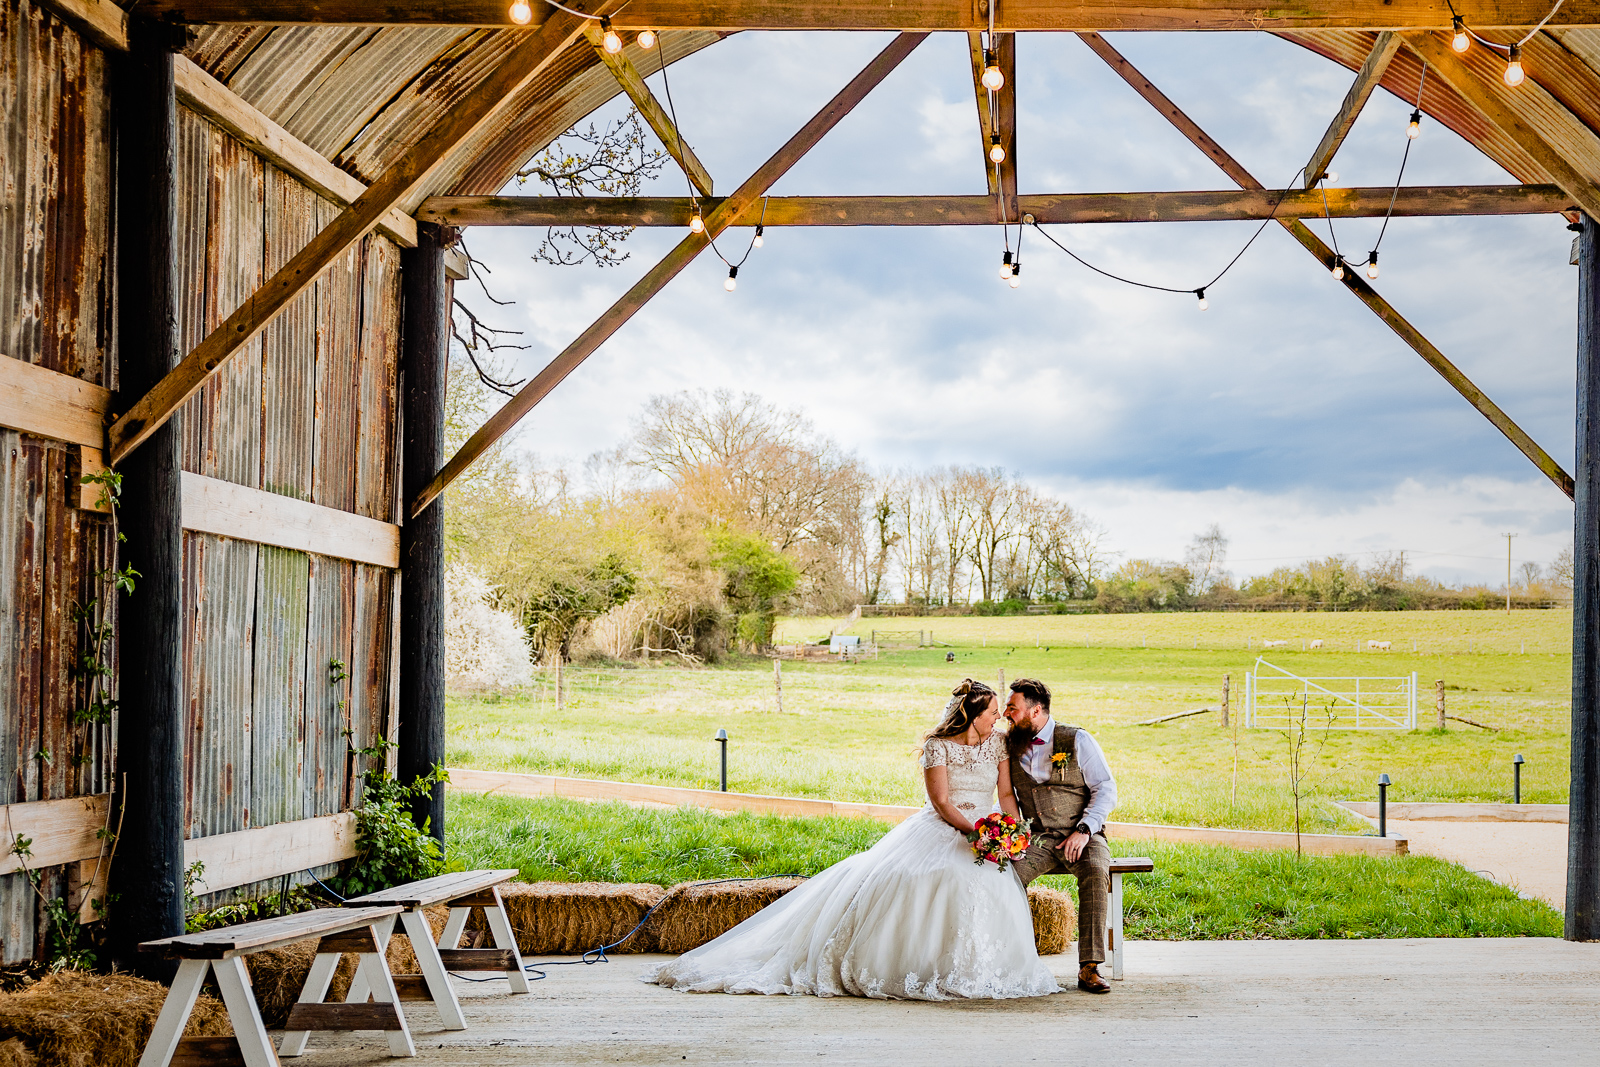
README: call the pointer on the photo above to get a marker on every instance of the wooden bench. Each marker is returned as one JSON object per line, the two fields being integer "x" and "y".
{"x": 462, "y": 892}
{"x": 222, "y": 952}
{"x": 1120, "y": 865}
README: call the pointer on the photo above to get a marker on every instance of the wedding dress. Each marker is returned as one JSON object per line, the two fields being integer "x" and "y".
{"x": 913, "y": 917}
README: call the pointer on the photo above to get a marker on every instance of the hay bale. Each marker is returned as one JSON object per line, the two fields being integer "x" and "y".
{"x": 81, "y": 1019}
{"x": 692, "y": 914}
{"x": 1055, "y": 921}
{"x": 566, "y": 918}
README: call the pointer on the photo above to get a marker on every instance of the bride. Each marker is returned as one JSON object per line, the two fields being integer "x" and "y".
{"x": 912, "y": 917}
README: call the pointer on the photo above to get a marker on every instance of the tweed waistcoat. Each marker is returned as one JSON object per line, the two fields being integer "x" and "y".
{"x": 1057, "y": 803}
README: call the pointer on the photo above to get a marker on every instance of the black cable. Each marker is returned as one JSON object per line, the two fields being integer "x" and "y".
{"x": 1393, "y": 196}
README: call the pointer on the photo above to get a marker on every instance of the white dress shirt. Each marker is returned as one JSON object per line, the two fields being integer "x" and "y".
{"x": 1091, "y": 761}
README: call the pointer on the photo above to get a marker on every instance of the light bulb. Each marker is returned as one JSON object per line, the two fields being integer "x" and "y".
{"x": 611, "y": 41}
{"x": 1015, "y": 281}
{"x": 521, "y": 12}
{"x": 997, "y": 151}
{"x": 1372, "y": 265}
{"x": 697, "y": 224}
{"x": 1414, "y": 127}
{"x": 647, "y": 39}
{"x": 760, "y": 240}
{"x": 732, "y": 281}
{"x": 1461, "y": 41}
{"x": 1204, "y": 303}
{"x": 1005, "y": 267}
{"x": 1337, "y": 272}
{"x": 992, "y": 78}
{"x": 1514, "y": 72}
{"x": 1330, "y": 176}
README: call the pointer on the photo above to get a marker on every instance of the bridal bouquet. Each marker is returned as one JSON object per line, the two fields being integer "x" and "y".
{"x": 999, "y": 838}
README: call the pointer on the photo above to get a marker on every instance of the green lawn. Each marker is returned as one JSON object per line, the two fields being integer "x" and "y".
{"x": 1197, "y": 892}
{"x": 849, "y": 731}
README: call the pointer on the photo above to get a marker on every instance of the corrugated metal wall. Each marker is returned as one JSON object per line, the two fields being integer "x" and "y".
{"x": 308, "y": 411}
{"x": 56, "y": 312}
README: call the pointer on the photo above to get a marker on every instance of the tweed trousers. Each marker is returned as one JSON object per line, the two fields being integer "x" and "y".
{"x": 1093, "y": 872}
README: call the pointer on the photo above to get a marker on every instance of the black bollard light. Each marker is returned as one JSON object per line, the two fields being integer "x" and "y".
{"x": 1516, "y": 778}
{"x": 1383, "y": 805}
{"x": 722, "y": 739}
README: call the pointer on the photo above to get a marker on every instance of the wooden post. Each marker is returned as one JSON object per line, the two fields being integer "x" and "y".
{"x": 425, "y": 337}
{"x": 777, "y": 682}
{"x": 1226, "y": 679}
{"x": 1438, "y": 700}
{"x": 561, "y": 682}
{"x": 1583, "y": 836}
{"x": 150, "y": 728}
{"x": 1000, "y": 685}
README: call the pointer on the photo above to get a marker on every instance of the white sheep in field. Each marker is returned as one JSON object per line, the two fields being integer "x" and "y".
{"x": 1379, "y": 646}
{"x": 1273, "y": 644}
{"x": 1317, "y": 643}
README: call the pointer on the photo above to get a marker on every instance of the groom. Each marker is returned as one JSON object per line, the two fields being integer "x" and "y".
{"x": 1064, "y": 788}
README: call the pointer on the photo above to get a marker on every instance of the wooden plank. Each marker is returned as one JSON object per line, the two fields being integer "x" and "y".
{"x": 62, "y": 831}
{"x": 412, "y": 987}
{"x": 209, "y": 97}
{"x": 247, "y": 938}
{"x": 486, "y": 898}
{"x": 208, "y": 1052}
{"x": 477, "y": 959}
{"x": 1583, "y": 830}
{"x": 1353, "y": 279}
{"x": 50, "y": 404}
{"x": 456, "y": 266}
{"x": 438, "y": 889}
{"x": 633, "y": 84}
{"x": 246, "y": 856}
{"x": 1219, "y": 205}
{"x": 238, "y": 511}
{"x": 525, "y": 61}
{"x": 104, "y": 22}
{"x": 344, "y": 1017}
{"x": 1367, "y": 79}
{"x": 985, "y": 120}
{"x": 1488, "y": 101}
{"x": 1263, "y": 840}
{"x": 358, "y": 940}
{"x": 1132, "y": 865}
{"x": 1006, "y": 124}
{"x": 963, "y": 15}
{"x": 663, "y": 272}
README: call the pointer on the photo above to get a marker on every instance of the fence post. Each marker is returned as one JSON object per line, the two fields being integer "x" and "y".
{"x": 561, "y": 689}
{"x": 1000, "y": 686}
{"x": 1413, "y": 723}
{"x": 777, "y": 682}
{"x": 1225, "y": 701}
{"x": 1438, "y": 700}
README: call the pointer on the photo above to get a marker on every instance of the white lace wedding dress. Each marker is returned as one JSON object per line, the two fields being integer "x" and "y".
{"x": 912, "y": 917}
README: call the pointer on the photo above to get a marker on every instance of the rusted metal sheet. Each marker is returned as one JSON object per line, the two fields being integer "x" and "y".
{"x": 289, "y": 347}
{"x": 371, "y": 660}
{"x": 328, "y": 708}
{"x": 376, "y": 444}
{"x": 333, "y": 482}
{"x": 219, "y": 593}
{"x": 278, "y": 719}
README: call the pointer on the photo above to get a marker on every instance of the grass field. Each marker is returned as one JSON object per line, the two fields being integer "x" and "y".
{"x": 1197, "y": 892}
{"x": 848, "y": 731}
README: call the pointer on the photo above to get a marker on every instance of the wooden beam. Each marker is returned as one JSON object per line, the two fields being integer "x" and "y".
{"x": 1583, "y": 832}
{"x": 1491, "y": 103}
{"x": 908, "y": 15}
{"x": 501, "y": 422}
{"x": 210, "y": 98}
{"x": 102, "y": 21}
{"x": 1367, "y": 79}
{"x": 632, "y": 83}
{"x": 532, "y": 54}
{"x": 47, "y": 403}
{"x": 1006, "y": 123}
{"x": 245, "y": 514}
{"x": 1352, "y": 279}
{"x": 985, "y": 120}
{"x": 61, "y": 831}
{"x": 270, "y": 851}
{"x": 1186, "y": 206}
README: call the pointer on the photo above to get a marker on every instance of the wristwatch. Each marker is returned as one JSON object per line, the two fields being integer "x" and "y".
{"x": 1083, "y": 828}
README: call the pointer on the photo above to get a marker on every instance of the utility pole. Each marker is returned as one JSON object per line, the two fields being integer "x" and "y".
{"x": 1508, "y": 538}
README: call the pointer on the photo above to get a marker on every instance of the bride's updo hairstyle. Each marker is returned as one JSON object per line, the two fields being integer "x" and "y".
{"x": 967, "y": 702}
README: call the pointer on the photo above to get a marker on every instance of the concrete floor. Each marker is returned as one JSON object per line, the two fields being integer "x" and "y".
{"x": 1454, "y": 1002}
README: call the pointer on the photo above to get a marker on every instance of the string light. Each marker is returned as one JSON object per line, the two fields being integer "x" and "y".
{"x": 1200, "y": 294}
{"x": 696, "y": 223}
{"x": 1005, "y": 267}
{"x": 611, "y": 41}
{"x": 732, "y": 281}
{"x": 997, "y": 151}
{"x": 1338, "y": 270}
{"x": 1330, "y": 176}
{"x": 1514, "y": 72}
{"x": 992, "y": 78}
{"x": 759, "y": 240}
{"x": 1461, "y": 41}
{"x": 1015, "y": 281}
{"x": 1414, "y": 127}
{"x": 521, "y": 12}
{"x": 647, "y": 39}
{"x": 1372, "y": 264}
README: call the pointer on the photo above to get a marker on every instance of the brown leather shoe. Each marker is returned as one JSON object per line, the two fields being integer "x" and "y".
{"x": 1089, "y": 980}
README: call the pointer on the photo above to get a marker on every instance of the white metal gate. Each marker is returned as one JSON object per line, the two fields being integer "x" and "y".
{"x": 1273, "y": 698}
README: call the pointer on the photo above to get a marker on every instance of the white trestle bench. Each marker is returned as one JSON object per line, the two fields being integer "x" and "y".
{"x": 1120, "y": 865}
{"x": 222, "y": 952}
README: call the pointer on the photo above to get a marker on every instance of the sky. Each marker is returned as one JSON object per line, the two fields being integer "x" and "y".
{"x": 1287, "y": 413}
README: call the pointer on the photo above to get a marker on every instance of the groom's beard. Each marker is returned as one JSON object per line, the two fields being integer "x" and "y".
{"x": 1021, "y": 733}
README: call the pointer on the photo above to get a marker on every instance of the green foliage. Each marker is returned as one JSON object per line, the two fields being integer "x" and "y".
{"x": 990, "y": 608}
{"x": 553, "y": 616}
{"x": 757, "y": 576}
{"x": 297, "y": 899}
{"x": 68, "y": 943}
{"x": 390, "y": 848}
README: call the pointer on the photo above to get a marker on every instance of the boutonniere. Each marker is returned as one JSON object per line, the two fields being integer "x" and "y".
{"x": 1060, "y": 760}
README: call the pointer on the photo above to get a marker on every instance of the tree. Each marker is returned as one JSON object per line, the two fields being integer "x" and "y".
{"x": 921, "y": 535}
{"x": 757, "y": 576}
{"x": 1207, "y": 554}
{"x": 886, "y": 536}
{"x": 991, "y": 501}
{"x": 1561, "y": 569}
{"x": 956, "y": 519}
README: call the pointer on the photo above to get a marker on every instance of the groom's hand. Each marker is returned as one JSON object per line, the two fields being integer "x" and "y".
{"x": 1073, "y": 846}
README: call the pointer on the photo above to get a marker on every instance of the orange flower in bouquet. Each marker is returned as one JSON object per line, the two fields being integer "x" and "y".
{"x": 999, "y": 838}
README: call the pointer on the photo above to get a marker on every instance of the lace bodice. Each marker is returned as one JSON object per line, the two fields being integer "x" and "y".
{"x": 973, "y": 769}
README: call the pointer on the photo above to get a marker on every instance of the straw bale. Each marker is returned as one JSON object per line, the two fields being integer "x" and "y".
{"x": 692, "y": 914}
{"x": 82, "y": 1019}
{"x": 566, "y": 918}
{"x": 1055, "y": 921}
